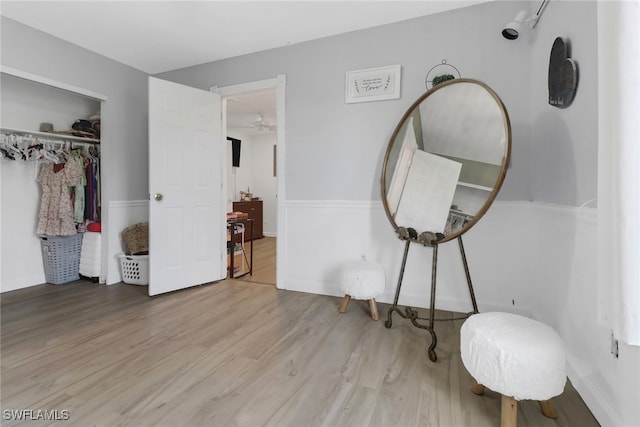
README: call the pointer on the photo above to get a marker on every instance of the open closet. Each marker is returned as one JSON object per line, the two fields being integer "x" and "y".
{"x": 49, "y": 136}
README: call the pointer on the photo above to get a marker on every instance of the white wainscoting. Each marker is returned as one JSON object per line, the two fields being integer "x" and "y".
{"x": 122, "y": 214}
{"x": 322, "y": 235}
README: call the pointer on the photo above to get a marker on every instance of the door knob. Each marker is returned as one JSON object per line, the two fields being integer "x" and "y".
{"x": 158, "y": 197}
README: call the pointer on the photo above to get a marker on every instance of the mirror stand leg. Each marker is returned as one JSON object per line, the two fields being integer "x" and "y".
{"x": 466, "y": 272}
{"x": 394, "y": 307}
{"x": 432, "y": 307}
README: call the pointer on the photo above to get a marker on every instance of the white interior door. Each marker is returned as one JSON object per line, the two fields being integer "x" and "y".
{"x": 187, "y": 231}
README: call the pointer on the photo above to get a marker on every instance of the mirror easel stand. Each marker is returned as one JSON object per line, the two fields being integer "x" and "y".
{"x": 409, "y": 235}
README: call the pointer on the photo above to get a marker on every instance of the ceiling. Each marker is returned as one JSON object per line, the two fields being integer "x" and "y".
{"x": 159, "y": 36}
{"x": 252, "y": 114}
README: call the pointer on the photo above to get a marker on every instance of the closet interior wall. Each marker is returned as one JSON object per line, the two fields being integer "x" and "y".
{"x": 25, "y": 105}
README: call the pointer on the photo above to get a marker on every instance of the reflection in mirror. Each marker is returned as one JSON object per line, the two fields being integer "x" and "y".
{"x": 447, "y": 159}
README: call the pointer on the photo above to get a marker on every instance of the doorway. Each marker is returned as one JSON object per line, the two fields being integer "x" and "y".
{"x": 251, "y": 116}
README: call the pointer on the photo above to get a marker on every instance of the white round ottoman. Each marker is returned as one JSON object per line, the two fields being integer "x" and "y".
{"x": 362, "y": 280}
{"x": 515, "y": 356}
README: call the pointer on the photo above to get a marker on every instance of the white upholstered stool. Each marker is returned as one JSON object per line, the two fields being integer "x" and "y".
{"x": 515, "y": 356}
{"x": 362, "y": 280}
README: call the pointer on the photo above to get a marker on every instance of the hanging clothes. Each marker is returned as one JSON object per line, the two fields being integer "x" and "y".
{"x": 91, "y": 193}
{"x": 56, "y": 209}
{"x": 78, "y": 194}
{"x": 70, "y": 176}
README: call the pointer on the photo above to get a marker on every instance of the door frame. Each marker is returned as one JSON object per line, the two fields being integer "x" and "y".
{"x": 278, "y": 83}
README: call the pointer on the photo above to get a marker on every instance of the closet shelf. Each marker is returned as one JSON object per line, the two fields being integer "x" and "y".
{"x": 475, "y": 186}
{"x": 51, "y": 135}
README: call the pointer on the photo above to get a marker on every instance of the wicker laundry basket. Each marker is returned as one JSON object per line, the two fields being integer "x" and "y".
{"x": 135, "y": 239}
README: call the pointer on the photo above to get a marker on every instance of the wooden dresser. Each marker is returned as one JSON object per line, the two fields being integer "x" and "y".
{"x": 254, "y": 209}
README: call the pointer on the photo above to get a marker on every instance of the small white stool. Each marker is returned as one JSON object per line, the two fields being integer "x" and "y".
{"x": 515, "y": 356}
{"x": 362, "y": 280}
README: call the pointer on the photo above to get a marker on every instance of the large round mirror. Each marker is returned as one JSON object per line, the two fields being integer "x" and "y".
{"x": 447, "y": 159}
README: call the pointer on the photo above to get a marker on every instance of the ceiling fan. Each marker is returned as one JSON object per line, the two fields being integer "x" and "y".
{"x": 261, "y": 125}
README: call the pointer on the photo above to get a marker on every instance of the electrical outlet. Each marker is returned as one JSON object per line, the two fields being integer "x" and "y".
{"x": 614, "y": 346}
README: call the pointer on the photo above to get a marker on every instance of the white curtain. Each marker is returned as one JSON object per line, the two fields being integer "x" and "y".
{"x": 619, "y": 167}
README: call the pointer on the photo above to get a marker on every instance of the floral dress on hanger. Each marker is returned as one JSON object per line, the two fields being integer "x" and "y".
{"x": 56, "y": 208}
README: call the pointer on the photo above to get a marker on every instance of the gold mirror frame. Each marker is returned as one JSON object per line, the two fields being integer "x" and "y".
{"x": 501, "y": 174}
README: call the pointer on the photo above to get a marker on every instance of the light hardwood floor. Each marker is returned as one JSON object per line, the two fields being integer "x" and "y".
{"x": 236, "y": 354}
{"x": 264, "y": 261}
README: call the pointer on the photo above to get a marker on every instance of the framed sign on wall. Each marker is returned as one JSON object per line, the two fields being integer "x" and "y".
{"x": 373, "y": 84}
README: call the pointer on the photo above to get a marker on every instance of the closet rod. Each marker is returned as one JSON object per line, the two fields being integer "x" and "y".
{"x": 51, "y": 135}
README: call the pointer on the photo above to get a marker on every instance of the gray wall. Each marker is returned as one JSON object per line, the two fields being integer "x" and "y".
{"x": 334, "y": 150}
{"x": 124, "y": 115}
{"x": 564, "y": 143}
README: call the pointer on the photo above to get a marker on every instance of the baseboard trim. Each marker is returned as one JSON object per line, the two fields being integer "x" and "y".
{"x": 24, "y": 282}
{"x": 410, "y": 299}
{"x": 596, "y": 399}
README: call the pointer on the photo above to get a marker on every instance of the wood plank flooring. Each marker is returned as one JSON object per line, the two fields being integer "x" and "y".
{"x": 234, "y": 353}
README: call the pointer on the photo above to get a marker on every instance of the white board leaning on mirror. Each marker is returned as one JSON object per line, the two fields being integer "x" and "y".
{"x": 422, "y": 186}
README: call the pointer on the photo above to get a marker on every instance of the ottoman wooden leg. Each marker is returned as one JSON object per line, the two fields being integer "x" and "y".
{"x": 509, "y": 416}
{"x": 345, "y": 303}
{"x": 477, "y": 388}
{"x": 548, "y": 409}
{"x": 374, "y": 309}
